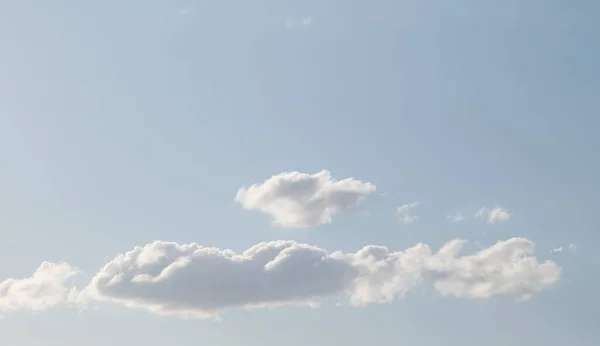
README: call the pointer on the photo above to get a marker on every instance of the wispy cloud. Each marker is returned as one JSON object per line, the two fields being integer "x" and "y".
{"x": 306, "y": 21}
{"x": 456, "y": 217}
{"x": 403, "y": 212}
{"x": 494, "y": 215}
{"x": 298, "y": 23}
{"x": 570, "y": 247}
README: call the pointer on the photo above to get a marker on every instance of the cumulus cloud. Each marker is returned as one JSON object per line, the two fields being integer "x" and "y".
{"x": 506, "y": 268}
{"x": 45, "y": 289}
{"x": 456, "y": 217}
{"x": 494, "y": 215}
{"x": 195, "y": 281}
{"x": 404, "y": 213}
{"x": 299, "y": 200}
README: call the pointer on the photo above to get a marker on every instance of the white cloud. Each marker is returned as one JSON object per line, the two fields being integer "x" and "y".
{"x": 298, "y": 200}
{"x": 494, "y": 215}
{"x": 297, "y": 23}
{"x": 506, "y": 268}
{"x": 403, "y": 212}
{"x": 45, "y": 289}
{"x": 570, "y": 247}
{"x": 194, "y": 281}
{"x": 456, "y": 217}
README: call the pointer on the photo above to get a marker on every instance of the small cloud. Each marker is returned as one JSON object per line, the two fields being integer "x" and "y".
{"x": 300, "y": 200}
{"x": 570, "y": 247}
{"x": 494, "y": 215}
{"x": 456, "y": 217}
{"x": 184, "y": 11}
{"x": 289, "y": 23}
{"x": 481, "y": 212}
{"x": 403, "y": 212}
{"x": 298, "y": 23}
{"x": 306, "y": 21}
{"x": 46, "y": 288}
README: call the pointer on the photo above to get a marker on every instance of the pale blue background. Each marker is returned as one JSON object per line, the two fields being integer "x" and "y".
{"x": 122, "y": 122}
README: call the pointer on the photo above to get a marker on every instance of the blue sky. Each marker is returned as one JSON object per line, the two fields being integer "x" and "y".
{"x": 126, "y": 123}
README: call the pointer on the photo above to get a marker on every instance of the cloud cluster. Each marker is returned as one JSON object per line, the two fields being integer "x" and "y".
{"x": 196, "y": 281}
{"x": 46, "y": 288}
{"x": 494, "y": 215}
{"x": 191, "y": 280}
{"x": 299, "y": 200}
{"x": 404, "y": 213}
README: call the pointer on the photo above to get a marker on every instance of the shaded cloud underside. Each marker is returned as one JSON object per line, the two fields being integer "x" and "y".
{"x": 195, "y": 281}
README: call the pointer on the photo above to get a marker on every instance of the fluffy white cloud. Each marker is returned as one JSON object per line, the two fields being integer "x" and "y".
{"x": 299, "y": 200}
{"x": 45, "y": 289}
{"x": 456, "y": 217}
{"x": 403, "y": 212}
{"x": 506, "y": 268}
{"x": 196, "y": 281}
{"x": 494, "y": 215}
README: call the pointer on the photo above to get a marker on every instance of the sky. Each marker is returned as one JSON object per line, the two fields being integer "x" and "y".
{"x": 299, "y": 172}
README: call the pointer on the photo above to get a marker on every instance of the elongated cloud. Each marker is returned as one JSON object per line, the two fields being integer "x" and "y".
{"x": 298, "y": 23}
{"x": 570, "y": 247}
{"x": 299, "y": 200}
{"x": 195, "y": 281}
{"x": 45, "y": 289}
{"x": 494, "y": 215}
{"x": 456, "y": 217}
